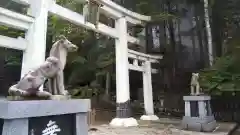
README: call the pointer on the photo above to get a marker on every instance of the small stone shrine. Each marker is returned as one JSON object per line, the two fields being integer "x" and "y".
{"x": 198, "y": 113}
{"x": 32, "y": 111}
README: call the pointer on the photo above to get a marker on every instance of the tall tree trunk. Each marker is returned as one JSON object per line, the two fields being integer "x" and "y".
{"x": 199, "y": 35}
{"x": 217, "y": 29}
{"x": 108, "y": 86}
{"x": 192, "y": 21}
{"x": 172, "y": 44}
{"x": 209, "y": 33}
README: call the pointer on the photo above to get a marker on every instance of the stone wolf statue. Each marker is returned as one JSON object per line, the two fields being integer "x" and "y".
{"x": 60, "y": 50}
{"x": 29, "y": 84}
{"x": 195, "y": 87}
{"x": 51, "y": 69}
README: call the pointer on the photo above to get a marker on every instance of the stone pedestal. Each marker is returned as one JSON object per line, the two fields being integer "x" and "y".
{"x": 198, "y": 114}
{"x": 44, "y": 117}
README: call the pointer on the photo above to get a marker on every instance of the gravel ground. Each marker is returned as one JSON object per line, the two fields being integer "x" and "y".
{"x": 106, "y": 130}
{"x": 154, "y": 129}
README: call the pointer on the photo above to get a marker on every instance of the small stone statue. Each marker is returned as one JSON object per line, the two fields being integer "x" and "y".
{"x": 29, "y": 85}
{"x": 60, "y": 50}
{"x": 195, "y": 87}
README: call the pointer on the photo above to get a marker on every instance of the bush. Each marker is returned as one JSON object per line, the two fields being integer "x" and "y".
{"x": 85, "y": 92}
{"x": 223, "y": 76}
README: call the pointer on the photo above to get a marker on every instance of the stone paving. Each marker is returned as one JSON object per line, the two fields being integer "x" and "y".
{"x": 156, "y": 128}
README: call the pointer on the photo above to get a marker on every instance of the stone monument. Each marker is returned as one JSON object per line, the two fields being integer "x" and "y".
{"x": 37, "y": 112}
{"x": 198, "y": 113}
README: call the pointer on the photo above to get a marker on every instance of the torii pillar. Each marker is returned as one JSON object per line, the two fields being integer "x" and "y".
{"x": 34, "y": 55}
{"x": 147, "y": 93}
{"x": 123, "y": 112}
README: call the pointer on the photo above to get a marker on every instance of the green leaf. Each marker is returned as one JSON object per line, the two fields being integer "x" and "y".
{"x": 79, "y": 60}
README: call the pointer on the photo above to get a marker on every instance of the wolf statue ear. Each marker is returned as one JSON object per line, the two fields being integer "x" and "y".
{"x": 195, "y": 74}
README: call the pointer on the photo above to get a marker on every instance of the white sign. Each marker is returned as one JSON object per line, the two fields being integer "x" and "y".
{"x": 51, "y": 129}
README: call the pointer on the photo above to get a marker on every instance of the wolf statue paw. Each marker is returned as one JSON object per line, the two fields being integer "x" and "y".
{"x": 17, "y": 93}
{"x": 65, "y": 93}
{"x": 43, "y": 94}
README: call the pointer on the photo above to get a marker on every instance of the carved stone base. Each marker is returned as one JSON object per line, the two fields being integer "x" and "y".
{"x": 149, "y": 117}
{"x": 204, "y": 124}
{"x": 198, "y": 114}
{"x": 53, "y": 97}
{"x": 20, "y": 98}
{"x": 124, "y": 122}
{"x": 33, "y": 117}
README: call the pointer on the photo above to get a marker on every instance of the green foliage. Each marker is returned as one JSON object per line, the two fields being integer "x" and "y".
{"x": 163, "y": 16}
{"x": 223, "y": 76}
{"x": 92, "y": 61}
{"x": 13, "y": 60}
{"x": 84, "y": 92}
{"x": 94, "y": 89}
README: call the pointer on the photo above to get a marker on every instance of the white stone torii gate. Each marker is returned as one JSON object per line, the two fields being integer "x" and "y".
{"x": 34, "y": 46}
{"x": 147, "y": 70}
